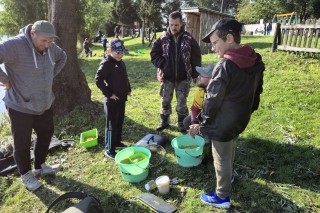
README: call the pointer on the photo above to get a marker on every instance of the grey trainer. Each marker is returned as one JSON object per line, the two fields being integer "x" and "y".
{"x": 30, "y": 181}
{"x": 47, "y": 170}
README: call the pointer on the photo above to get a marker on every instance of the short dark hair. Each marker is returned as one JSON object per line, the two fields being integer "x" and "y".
{"x": 175, "y": 15}
{"x": 222, "y": 34}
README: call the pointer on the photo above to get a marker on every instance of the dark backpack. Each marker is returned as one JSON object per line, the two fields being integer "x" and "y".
{"x": 89, "y": 204}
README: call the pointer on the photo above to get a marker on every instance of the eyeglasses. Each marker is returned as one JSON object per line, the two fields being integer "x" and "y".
{"x": 216, "y": 41}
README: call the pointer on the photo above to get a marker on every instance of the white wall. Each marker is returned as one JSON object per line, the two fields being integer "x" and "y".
{"x": 253, "y": 27}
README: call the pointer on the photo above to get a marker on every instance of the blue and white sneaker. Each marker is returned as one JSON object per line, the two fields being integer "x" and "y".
{"x": 213, "y": 200}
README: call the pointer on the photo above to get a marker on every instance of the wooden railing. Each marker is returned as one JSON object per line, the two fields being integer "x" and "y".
{"x": 302, "y": 37}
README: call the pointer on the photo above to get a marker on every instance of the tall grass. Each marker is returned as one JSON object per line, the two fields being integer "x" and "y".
{"x": 277, "y": 156}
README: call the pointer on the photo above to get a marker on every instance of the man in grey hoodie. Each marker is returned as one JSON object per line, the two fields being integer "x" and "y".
{"x": 31, "y": 60}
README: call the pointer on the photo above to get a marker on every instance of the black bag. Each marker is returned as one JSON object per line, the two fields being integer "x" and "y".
{"x": 89, "y": 204}
{"x": 152, "y": 139}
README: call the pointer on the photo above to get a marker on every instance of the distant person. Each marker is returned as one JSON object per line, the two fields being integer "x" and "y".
{"x": 86, "y": 48}
{"x": 176, "y": 55}
{"x": 104, "y": 42}
{"x": 269, "y": 28}
{"x": 97, "y": 38}
{"x": 116, "y": 31}
{"x": 233, "y": 94}
{"x": 112, "y": 80}
{"x": 32, "y": 60}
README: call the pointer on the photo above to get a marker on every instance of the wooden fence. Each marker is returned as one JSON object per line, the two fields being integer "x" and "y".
{"x": 302, "y": 37}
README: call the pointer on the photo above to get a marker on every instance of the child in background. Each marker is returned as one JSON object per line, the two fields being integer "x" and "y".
{"x": 104, "y": 42}
{"x": 112, "y": 80}
{"x": 233, "y": 94}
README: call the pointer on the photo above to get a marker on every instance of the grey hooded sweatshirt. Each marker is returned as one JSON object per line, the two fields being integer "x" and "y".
{"x": 30, "y": 73}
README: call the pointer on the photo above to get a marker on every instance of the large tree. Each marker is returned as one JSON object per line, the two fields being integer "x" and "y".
{"x": 225, "y": 6}
{"x": 70, "y": 85}
{"x": 266, "y": 9}
{"x": 96, "y": 16}
{"x": 149, "y": 11}
{"x": 168, "y": 7}
{"x": 124, "y": 12}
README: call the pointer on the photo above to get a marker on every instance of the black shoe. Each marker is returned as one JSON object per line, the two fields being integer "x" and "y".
{"x": 164, "y": 122}
{"x": 111, "y": 155}
{"x": 162, "y": 126}
{"x": 121, "y": 146}
{"x": 182, "y": 128}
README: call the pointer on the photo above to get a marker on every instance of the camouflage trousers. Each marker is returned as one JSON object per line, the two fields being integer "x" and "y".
{"x": 166, "y": 92}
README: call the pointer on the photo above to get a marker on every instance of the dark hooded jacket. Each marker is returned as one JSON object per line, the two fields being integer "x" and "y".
{"x": 112, "y": 78}
{"x": 232, "y": 94}
{"x": 174, "y": 68}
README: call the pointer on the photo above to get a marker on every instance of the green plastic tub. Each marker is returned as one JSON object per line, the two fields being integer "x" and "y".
{"x": 190, "y": 156}
{"x": 89, "y": 138}
{"x": 133, "y": 172}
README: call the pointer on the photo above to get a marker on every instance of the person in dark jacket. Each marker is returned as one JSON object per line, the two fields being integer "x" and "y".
{"x": 269, "y": 28}
{"x": 86, "y": 47}
{"x": 176, "y": 54}
{"x": 233, "y": 94}
{"x": 116, "y": 31}
{"x": 112, "y": 80}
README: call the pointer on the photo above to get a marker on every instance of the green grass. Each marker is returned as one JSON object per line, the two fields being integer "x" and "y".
{"x": 277, "y": 156}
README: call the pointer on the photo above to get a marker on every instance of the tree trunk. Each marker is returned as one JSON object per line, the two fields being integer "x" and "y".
{"x": 70, "y": 86}
{"x": 142, "y": 32}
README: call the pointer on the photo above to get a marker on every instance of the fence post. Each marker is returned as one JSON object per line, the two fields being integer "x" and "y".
{"x": 277, "y": 36}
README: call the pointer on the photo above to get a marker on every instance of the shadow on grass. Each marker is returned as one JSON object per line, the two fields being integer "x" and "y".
{"x": 110, "y": 201}
{"x": 270, "y": 177}
{"x": 265, "y": 168}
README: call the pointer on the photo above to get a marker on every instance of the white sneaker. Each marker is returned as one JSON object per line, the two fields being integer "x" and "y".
{"x": 30, "y": 181}
{"x": 47, "y": 170}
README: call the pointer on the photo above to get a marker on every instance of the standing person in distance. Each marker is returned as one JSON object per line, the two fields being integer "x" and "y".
{"x": 176, "y": 54}
{"x": 32, "y": 60}
{"x": 116, "y": 31}
{"x": 112, "y": 80}
{"x": 233, "y": 94}
{"x": 104, "y": 42}
{"x": 86, "y": 47}
{"x": 269, "y": 28}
